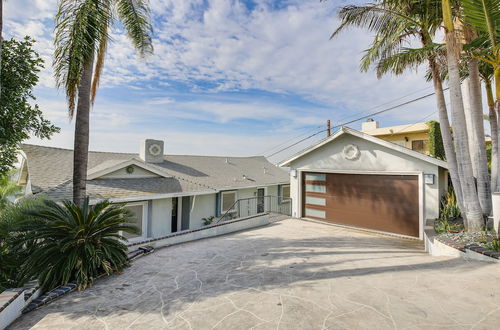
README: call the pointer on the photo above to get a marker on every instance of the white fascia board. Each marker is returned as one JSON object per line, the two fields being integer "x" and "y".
{"x": 153, "y": 196}
{"x": 361, "y": 135}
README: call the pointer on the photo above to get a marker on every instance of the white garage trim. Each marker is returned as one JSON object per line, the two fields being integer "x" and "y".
{"x": 421, "y": 189}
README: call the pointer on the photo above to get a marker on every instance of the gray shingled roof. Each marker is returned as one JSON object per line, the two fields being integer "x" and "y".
{"x": 50, "y": 171}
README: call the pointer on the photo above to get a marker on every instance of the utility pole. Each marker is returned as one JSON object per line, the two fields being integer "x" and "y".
{"x": 328, "y": 128}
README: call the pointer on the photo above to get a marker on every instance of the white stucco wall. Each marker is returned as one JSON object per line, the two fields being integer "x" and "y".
{"x": 373, "y": 158}
{"x": 202, "y": 206}
{"x": 161, "y": 215}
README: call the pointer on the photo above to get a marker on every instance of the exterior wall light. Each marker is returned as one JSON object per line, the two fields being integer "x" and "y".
{"x": 429, "y": 178}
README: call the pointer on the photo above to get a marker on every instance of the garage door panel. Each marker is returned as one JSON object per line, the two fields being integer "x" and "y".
{"x": 380, "y": 202}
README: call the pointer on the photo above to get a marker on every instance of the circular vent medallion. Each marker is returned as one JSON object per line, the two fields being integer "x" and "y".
{"x": 351, "y": 152}
{"x": 155, "y": 149}
{"x": 129, "y": 169}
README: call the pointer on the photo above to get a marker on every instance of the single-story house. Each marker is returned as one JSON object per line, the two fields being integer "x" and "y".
{"x": 354, "y": 179}
{"x": 166, "y": 193}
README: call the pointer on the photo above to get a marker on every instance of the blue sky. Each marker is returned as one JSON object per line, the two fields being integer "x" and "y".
{"x": 227, "y": 77}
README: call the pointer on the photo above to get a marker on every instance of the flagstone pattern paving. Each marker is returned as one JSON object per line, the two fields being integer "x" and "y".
{"x": 292, "y": 274}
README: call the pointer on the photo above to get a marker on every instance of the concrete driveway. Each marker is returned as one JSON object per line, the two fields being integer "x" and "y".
{"x": 292, "y": 274}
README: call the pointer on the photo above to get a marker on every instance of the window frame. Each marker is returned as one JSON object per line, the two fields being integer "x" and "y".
{"x": 222, "y": 193}
{"x": 281, "y": 198}
{"x": 144, "y": 229}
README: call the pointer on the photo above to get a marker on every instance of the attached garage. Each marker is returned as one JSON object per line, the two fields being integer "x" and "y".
{"x": 354, "y": 179}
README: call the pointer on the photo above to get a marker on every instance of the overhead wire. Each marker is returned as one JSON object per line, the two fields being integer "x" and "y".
{"x": 355, "y": 120}
{"x": 360, "y": 112}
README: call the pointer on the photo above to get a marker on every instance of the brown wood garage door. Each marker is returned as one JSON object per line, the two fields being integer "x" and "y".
{"x": 380, "y": 202}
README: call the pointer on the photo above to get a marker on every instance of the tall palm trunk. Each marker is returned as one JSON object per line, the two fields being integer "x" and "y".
{"x": 82, "y": 130}
{"x": 474, "y": 213}
{"x": 444, "y": 123}
{"x": 468, "y": 121}
{"x": 495, "y": 164}
{"x": 478, "y": 151}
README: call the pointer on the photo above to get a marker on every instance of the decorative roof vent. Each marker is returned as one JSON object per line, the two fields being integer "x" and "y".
{"x": 151, "y": 151}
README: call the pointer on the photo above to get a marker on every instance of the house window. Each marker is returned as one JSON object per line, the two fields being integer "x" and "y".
{"x": 315, "y": 177}
{"x": 228, "y": 198}
{"x": 315, "y": 188}
{"x": 419, "y": 145}
{"x": 139, "y": 219}
{"x": 284, "y": 193}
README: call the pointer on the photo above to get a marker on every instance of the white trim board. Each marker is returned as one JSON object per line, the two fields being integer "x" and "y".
{"x": 367, "y": 137}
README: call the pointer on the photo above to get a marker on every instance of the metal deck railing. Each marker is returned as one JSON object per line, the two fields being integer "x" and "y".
{"x": 246, "y": 207}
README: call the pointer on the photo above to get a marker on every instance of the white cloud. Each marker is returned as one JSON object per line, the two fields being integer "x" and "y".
{"x": 217, "y": 46}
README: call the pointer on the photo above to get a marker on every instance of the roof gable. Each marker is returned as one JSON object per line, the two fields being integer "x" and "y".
{"x": 367, "y": 137}
{"x": 117, "y": 169}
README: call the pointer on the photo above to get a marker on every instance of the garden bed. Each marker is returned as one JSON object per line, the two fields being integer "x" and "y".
{"x": 485, "y": 242}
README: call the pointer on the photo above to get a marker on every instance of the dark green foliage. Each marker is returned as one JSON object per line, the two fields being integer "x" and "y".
{"x": 8, "y": 189}
{"x": 208, "y": 220}
{"x": 436, "y": 146}
{"x": 76, "y": 243}
{"x": 14, "y": 248}
{"x": 18, "y": 118}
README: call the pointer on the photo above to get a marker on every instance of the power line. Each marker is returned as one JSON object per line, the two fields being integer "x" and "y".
{"x": 310, "y": 136}
{"x": 385, "y": 103}
{"x": 353, "y": 115}
{"x": 355, "y": 120}
{"x": 288, "y": 140}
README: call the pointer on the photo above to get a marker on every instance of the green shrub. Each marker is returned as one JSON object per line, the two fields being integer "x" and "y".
{"x": 76, "y": 243}
{"x": 208, "y": 220}
{"x": 449, "y": 206}
{"x": 449, "y": 211}
{"x": 14, "y": 248}
{"x": 494, "y": 245}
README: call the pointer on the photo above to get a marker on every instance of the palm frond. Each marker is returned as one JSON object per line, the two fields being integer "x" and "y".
{"x": 135, "y": 17}
{"x": 371, "y": 17}
{"x": 80, "y": 26}
{"x": 483, "y": 16}
{"x": 407, "y": 59}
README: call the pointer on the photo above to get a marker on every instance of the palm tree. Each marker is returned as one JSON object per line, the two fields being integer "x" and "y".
{"x": 486, "y": 72}
{"x": 453, "y": 51}
{"x": 484, "y": 17}
{"x": 76, "y": 242}
{"x": 396, "y": 23}
{"x": 82, "y": 36}
{"x": 475, "y": 127}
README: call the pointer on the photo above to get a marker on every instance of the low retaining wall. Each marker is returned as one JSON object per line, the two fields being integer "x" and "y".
{"x": 496, "y": 211}
{"x": 204, "y": 232}
{"x": 436, "y": 247}
{"x": 12, "y": 303}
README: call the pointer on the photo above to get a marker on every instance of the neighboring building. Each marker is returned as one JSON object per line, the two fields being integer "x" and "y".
{"x": 166, "y": 193}
{"x": 412, "y": 136}
{"x": 355, "y": 179}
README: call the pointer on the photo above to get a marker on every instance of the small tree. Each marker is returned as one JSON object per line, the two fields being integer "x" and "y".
{"x": 18, "y": 118}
